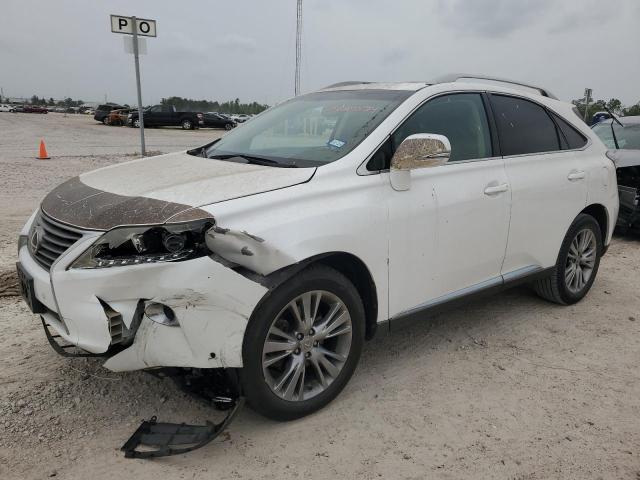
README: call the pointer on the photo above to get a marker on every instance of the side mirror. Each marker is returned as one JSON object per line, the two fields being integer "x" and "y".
{"x": 420, "y": 150}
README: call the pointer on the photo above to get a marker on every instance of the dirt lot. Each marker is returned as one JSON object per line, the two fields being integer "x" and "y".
{"x": 509, "y": 387}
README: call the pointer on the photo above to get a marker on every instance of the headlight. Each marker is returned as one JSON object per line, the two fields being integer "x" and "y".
{"x": 149, "y": 244}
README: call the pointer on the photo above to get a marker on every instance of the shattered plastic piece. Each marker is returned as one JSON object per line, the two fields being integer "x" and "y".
{"x": 173, "y": 438}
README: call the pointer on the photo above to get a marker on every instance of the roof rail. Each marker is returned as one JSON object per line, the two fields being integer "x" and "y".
{"x": 453, "y": 77}
{"x": 345, "y": 84}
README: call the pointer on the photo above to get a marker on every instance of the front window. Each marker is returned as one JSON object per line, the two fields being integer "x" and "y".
{"x": 310, "y": 130}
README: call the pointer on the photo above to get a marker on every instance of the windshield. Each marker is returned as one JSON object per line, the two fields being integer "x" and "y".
{"x": 628, "y": 137}
{"x": 310, "y": 130}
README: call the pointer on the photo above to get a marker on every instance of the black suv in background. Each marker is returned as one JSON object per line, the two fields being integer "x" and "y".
{"x": 102, "y": 112}
{"x": 165, "y": 116}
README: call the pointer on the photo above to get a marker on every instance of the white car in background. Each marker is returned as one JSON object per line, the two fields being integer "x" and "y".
{"x": 7, "y": 108}
{"x": 274, "y": 252}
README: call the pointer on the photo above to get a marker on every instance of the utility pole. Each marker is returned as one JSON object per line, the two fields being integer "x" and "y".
{"x": 587, "y": 96}
{"x": 298, "y": 47}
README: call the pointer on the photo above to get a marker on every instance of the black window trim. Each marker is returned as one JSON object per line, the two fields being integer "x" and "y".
{"x": 549, "y": 113}
{"x": 496, "y": 153}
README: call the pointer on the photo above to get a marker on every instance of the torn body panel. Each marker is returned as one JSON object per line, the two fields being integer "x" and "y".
{"x": 627, "y": 164}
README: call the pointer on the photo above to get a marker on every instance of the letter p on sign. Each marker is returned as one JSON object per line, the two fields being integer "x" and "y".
{"x": 144, "y": 27}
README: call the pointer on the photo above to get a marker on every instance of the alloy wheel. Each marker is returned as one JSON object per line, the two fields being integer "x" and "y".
{"x": 581, "y": 260}
{"x": 307, "y": 345}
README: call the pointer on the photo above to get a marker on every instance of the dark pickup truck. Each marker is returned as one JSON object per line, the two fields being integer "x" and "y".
{"x": 166, "y": 116}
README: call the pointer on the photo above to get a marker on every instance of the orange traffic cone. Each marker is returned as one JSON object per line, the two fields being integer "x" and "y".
{"x": 43, "y": 152}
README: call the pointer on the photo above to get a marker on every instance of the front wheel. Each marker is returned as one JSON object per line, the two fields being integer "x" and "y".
{"x": 187, "y": 125}
{"x": 228, "y": 126}
{"x": 577, "y": 264}
{"x": 302, "y": 344}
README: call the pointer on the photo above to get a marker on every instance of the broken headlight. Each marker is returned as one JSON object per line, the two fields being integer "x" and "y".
{"x": 150, "y": 244}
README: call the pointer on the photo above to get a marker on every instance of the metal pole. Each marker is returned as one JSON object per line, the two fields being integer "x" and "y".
{"x": 137, "y": 62}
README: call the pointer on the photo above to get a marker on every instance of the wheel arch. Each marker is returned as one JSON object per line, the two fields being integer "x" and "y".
{"x": 350, "y": 266}
{"x": 599, "y": 212}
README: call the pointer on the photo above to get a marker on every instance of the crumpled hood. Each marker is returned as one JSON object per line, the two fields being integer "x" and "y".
{"x": 157, "y": 189}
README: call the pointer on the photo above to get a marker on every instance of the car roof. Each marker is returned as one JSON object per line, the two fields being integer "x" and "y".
{"x": 450, "y": 78}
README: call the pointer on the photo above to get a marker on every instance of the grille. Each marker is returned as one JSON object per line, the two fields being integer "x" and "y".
{"x": 49, "y": 239}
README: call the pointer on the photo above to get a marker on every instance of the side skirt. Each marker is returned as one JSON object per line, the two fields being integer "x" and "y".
{"x": 460, "y": 297}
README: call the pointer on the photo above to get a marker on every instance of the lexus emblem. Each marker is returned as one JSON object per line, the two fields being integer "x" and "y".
{"x": 37, "y": 234}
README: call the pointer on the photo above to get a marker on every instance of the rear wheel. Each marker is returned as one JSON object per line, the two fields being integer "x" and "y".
{"x": 302, "y": 344}
{"x": 228, "y": 126}
{"x": 105, "y": 120}
{"x": 187, "y": 124}
{"x": 577, "y": 264}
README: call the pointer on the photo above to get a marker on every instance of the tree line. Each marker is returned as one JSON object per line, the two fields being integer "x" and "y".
{"x": 614, "y": 105}
{"x": 231, "y": 106}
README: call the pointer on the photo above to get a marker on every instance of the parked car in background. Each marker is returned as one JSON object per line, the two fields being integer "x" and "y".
{"x": 270, "y": 255}
{"x": 216, "y": 120}
{"x": 166, "y": 116}
{"x": 34, "y": 109}
{"x": 599, "y": 116}
{"x": 117, "y": 117}
{"x": 103, "y": 110}
{"x": 622, "y": 136}
{"x": 241, "y": 118}
{"x": 7, "y": 108}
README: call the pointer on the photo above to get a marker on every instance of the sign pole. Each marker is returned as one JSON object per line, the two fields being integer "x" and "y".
{"x": 137, "y": 62}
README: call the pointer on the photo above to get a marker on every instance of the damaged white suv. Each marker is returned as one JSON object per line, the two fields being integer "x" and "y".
{"x": 275, "y": 251}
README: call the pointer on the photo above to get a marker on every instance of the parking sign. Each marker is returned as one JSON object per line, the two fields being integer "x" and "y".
{"x": 121, "y": 24}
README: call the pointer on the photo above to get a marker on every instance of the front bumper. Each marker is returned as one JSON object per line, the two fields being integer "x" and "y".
{"x": 212, "y": 304}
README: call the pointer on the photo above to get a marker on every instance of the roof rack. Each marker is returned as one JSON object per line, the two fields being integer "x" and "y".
{"x": 345, "y": 84}
{"x": 454, "y": 77}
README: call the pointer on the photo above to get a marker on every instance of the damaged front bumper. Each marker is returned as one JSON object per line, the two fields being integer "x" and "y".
{"x": 101, "y": 311}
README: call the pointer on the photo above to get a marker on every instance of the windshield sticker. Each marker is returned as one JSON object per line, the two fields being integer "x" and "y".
{"x": 336, "y": 143}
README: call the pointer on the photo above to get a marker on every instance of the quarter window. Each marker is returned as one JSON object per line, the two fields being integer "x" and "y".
{"x": 523, "y": 126}
{"x": 574, "y": 138}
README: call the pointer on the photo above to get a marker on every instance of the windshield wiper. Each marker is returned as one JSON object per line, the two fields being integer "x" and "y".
{"x": 255, "y": 160}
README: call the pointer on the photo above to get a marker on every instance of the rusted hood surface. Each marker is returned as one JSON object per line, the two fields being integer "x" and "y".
{"x": 158, "y": 189}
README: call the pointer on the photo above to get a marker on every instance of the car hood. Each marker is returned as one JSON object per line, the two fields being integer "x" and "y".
{"x": 158, "y": 189}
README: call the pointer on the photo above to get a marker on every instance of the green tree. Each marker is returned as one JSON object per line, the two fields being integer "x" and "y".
{"x": 632, "y": 110}
{"x": 615, "y": 106}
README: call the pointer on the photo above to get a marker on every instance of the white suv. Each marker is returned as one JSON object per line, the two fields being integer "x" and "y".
{"x": 275, "y": 251}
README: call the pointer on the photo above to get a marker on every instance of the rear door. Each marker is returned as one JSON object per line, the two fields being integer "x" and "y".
{"x": 548, "y": 182}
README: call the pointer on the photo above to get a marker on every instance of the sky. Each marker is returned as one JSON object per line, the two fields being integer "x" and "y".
{"x": 246, "y": 48}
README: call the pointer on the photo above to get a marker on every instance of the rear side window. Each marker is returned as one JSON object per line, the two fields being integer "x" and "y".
{"x": 573, "y": 138}
{"x": 523, "y": 126}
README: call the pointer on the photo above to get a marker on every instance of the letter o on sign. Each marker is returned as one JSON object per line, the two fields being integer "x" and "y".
{"x": 144, "y": 27}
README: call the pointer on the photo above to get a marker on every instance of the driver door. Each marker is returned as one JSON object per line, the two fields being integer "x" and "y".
{"x": 448, "y": 232}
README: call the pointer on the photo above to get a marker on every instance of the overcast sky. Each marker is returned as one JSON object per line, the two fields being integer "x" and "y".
{"x": 246, "y": 48}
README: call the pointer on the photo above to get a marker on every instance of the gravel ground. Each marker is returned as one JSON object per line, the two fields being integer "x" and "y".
{"x": 509, "y": 387}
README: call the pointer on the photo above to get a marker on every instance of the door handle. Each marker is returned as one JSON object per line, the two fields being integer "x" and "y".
{"x": 494, "y": 190}
{"x": 575, "y": 175}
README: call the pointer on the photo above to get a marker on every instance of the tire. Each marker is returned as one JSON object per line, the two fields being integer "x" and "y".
{"x": 560, "y": 287}
{"x": 228, "y": 126}
{"x": 187, "y": 124}
{"x": 105, "y": 120}
{"x": 136, "y": 123}
{"x": 329, "y": 289}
